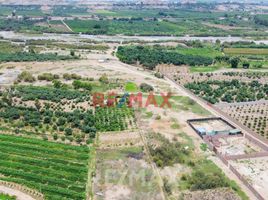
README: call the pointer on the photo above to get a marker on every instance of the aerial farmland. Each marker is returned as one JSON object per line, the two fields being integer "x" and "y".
{"x": 116, "y": 100}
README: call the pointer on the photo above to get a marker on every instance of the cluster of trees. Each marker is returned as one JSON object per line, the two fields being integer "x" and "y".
{"x": 152, "y": 56}
{"x": 25, "y": 57}
{"x": 262, "y": 20}
{"x": 252, "y": 75}
{"x": 203, "y": 181}
{"x": 233, "y": 61}
{"x": 47, "y": 93}
{"x": 244, "y": 44}
{"x": 146, "y": 87}
{"x": 58, "y": 171}
{"x": 68, "y": 76}
{"x": 168, "y": 153}
{"x": 17, "y": 25}
{"x": 215, "y": 91}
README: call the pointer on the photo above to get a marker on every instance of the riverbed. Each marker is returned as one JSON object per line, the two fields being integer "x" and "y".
{"x": 118, "y": 38}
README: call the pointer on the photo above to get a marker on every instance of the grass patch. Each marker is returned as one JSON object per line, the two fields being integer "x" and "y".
{"x": 175, "y": 126}
{"x": 131, "y": 87}
{"x": 204, "y": 147}
{"x": 204, "y": 69}
{"x": 185, "y": 103}
{"x": 149, "y": 115}
{"x": 188, "y": 139}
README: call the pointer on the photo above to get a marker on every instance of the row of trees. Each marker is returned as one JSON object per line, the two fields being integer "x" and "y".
{"x": 47, "y": 93}
{"x": 26, "y": 57}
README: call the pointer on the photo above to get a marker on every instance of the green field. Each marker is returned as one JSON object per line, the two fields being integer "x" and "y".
{"x": 204, "y": 69}
{"x": 112, "y": 27}
{"x": 21, "y": 10}
{"x": 131, "y": 87}
{"x": 56, "y": 170}
{"x": 204, "y": 52}
{"x": 159, "y": 13}
{"x": 7, "y": 47}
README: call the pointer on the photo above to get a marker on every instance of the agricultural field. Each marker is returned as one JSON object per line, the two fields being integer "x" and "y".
{"x": 21, "y": 10}
{"x": 245, "y": 51}
{"x": 229, "y": 91}
{"x": 141, "y": 26}
{"x": 252, "y": 114}
{"x": 60, "y": 115}
{"x": 71, "y": 129}
{"x": 47, "y": 167}
{"x": 18, "y": 53}
{"x": 112, "y": 27}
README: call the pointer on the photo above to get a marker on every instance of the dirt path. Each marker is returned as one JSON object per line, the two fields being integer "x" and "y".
{"x": 154, "y": 167}
{"x": 12, "y": 192}
{"x": 68, "y": 27}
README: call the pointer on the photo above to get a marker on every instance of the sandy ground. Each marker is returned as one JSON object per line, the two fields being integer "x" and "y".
{"x": 95, "y": 66}
{"x": 256, "y": 172}
{"x": 212, "y": 125}
{"x": 12, "y": 192}
{"x": 221, "y": 194}
{"x": 237, "y": 146}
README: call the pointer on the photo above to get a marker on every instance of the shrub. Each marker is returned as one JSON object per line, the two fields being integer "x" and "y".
{"x": 146, "y": 87}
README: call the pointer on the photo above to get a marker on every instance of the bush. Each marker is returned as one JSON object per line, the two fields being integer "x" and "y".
{"x": 48, "y": 77}
{"x": 146, "y": 87}
{"x": 82, "y": 85}
{"x": 26, "y": 77}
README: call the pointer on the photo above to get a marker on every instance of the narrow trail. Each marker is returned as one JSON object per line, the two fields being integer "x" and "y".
{"x": 68, "y": 27}
{"x": 154, "y": 167}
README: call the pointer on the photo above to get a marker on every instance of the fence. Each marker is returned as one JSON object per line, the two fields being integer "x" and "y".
{"x": 247, "y": 156}
{"x": 260, "y": 144}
